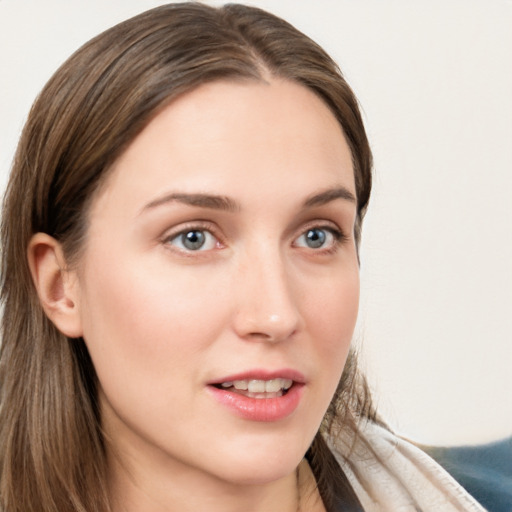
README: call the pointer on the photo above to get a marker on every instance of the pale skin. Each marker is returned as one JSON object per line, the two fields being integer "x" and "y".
{"x": 260, "y": 177}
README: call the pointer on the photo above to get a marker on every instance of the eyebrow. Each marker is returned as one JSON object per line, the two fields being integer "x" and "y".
{"x": 224, "y": 203}
{"x": 213, "y": 202}
{"x": 329, "y": 195}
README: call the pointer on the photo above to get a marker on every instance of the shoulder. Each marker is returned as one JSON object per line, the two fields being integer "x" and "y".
{"x": 390, "y": 474}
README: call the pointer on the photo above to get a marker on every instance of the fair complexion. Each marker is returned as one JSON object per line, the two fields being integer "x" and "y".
{"x": 220, "y": 248}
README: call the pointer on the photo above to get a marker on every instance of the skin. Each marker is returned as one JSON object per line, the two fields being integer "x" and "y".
{"x": 161, "y": 321}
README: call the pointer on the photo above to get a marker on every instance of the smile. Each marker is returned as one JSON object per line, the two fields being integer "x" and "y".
{"x": 259, "y": 389}
{"x": 259, "y": 395}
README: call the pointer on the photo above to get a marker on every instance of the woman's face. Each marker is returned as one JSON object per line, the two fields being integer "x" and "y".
{"x": 220, "y": 256}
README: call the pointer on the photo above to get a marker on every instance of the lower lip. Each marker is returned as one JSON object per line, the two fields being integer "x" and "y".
{"x": 260, "y": 409}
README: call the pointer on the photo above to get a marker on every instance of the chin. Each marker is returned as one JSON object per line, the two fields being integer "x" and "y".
{"x": 261, "y": 461}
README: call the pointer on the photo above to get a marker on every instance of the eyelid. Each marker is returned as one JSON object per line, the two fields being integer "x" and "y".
{"x": 321, "y": 224}
{"x": 196, "y": 225}
{"x": 337, "y": 232}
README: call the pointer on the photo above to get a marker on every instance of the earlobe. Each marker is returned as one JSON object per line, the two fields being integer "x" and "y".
{"x": 57, "y": 287}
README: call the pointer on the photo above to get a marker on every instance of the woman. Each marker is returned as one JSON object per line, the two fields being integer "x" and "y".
{"x": 180, "y": 282}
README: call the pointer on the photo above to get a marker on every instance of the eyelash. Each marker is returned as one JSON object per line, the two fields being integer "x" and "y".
{"x": 196, "y": 227}
{"x": 338, "y": 237}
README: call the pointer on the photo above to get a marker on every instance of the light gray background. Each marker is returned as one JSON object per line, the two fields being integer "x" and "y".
{"x": 435, "y": 82}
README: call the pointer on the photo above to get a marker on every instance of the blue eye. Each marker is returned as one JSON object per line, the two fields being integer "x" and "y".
{"x": 317, "y": 238}
{"x": 194, "y": 240}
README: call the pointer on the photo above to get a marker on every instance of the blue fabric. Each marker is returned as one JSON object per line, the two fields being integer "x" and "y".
{"x": 485, "y": 471}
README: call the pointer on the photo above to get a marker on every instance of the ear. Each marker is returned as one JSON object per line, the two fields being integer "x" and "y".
{"x": 57, "y": 287}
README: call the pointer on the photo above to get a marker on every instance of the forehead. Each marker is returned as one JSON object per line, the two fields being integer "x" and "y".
{"x": 246, "y": 136}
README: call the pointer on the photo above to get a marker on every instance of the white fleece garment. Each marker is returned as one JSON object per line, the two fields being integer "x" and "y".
{"x": 389, "y": 474}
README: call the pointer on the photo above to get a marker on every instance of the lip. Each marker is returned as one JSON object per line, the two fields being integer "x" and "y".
{"x": 260, "y": 409}
{"x": 261, "y": 374}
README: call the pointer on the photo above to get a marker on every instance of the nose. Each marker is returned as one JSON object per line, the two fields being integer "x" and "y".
{"x": 266, "y": 306}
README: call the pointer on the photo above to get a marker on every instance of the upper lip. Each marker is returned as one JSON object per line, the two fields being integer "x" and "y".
{"x": 262, "y": 374}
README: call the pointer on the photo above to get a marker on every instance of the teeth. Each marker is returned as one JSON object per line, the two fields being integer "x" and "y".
{"x": 274, "y": 385}
{"x": 256, "y": 386}
{"x": 287, "y": 383}
{"x": 260, "y": 386}
{"x": 265, "y": 395}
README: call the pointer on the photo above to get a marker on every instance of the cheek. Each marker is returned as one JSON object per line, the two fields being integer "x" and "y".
{"x": 137, "y": 314}
{"x": 149, "y": 334}
{"x": 332, "y": 309}
{"x": 332, "y": 316}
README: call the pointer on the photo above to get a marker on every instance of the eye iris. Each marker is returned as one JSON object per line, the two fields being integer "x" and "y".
{"x": 315, "y": 238}
{"x": 193, "y": 240}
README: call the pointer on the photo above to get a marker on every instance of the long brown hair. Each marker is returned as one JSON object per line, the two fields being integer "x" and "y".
{"x": 52, "y": 452}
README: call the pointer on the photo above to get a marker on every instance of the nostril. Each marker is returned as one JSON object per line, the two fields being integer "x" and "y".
{"x": 262, "y": 335}
{"x": 272, "y": 336}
